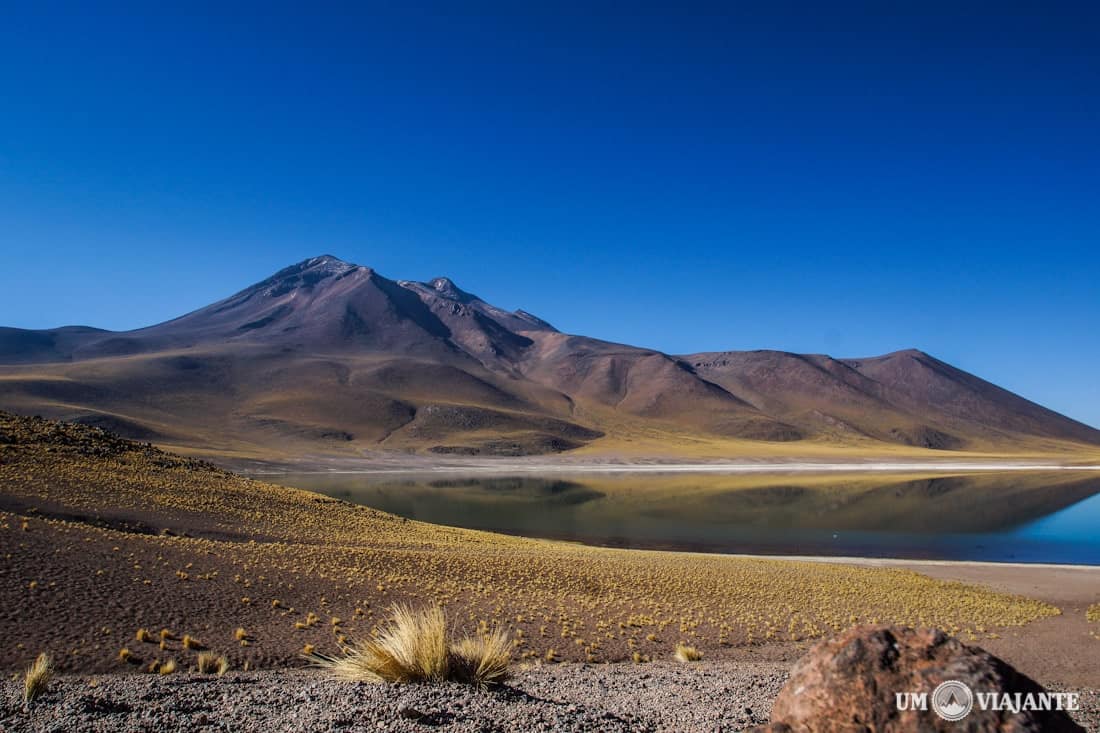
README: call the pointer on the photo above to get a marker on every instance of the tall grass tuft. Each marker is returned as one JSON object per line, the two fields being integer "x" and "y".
{"x": 37, "y": 678}
{"x": 685, "y": 653}
{"x": 414, "y": 647}
{"x": 211, "y": 663}
{"x": 482, "y": 659}
{"x": 411, "y": 648}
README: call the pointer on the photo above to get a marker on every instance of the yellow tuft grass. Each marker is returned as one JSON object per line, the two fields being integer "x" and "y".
{"x": 37, "y": 678}
{"x": 1093, "y": 614}
{"x": 167, "y": 667}
{"x": 411, "y": 648}
{"x": 211, "y": 663}
{"x": 143, "y": 635}
{"x": 241, "y": 634}
{"x": 190, "y": 642}
{"x": 685, "y": 653}
{"x": 481, "y": 659}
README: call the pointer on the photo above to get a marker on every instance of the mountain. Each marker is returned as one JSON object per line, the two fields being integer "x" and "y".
{"x": 326, "y": 357}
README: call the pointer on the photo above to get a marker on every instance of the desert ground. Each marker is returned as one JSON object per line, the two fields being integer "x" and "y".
{"x": 111, "y": 545}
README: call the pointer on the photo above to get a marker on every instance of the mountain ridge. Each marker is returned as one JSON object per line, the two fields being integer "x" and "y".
{"x": 328, "y": 356}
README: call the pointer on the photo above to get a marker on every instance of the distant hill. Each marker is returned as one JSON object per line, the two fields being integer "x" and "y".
{"x": 327, "y": 357}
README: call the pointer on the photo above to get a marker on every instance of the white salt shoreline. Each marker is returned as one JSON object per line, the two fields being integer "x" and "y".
{"x": 512, "y": 467}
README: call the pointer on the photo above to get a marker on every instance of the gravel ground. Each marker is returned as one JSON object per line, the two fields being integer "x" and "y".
{"x": 709, "y": 696}
{"x": 651, "y": 697}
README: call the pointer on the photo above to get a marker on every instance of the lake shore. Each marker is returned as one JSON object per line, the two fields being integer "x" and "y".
{"x": 414, "y": 464}
{"x": 1062, "y": 649}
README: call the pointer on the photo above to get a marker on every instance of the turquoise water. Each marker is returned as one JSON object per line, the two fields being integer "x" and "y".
{"x": 1011, "y": 517}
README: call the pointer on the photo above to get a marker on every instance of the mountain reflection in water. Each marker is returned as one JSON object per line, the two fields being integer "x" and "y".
{"x": 1012, "y": 516}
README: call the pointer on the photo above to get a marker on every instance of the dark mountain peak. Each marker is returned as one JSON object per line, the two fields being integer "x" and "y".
{"x": 894, "y": 357}
{"x": 903, "y": 354}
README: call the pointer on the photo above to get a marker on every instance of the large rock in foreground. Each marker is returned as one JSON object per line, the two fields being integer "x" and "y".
{"x": 850, "y": 683}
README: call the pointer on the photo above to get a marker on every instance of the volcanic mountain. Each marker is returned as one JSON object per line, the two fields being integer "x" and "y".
{"x": 327, "y": 357}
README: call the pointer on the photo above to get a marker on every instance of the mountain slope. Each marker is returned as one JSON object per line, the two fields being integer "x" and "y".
{"x": 327, "y": 357}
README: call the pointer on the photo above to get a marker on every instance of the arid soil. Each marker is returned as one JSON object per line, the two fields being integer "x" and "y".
{"x": 1062, "y": 649}
{"x": 706, "y": 696}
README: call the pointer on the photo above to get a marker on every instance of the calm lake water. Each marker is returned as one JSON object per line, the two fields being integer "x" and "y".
{"x": 1010, "y": 517}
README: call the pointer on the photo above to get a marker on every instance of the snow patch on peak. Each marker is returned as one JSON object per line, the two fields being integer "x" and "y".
{"x": 446, "y": 287}
{"x": 305, "y": 275}
{"x": 328, "y": 264}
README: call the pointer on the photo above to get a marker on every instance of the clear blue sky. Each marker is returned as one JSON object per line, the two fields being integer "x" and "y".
{"x": 822, "y": 177}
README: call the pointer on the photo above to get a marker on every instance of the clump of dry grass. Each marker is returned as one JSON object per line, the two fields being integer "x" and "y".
{"x": 241, "y": 634}
{"x": 1093, "y": 614}
{"x": 481, "y": 659}
{"x": 211, "y": 663}
{"x": 37, "y": 678}
{"x": 190, "y": 642}
{"x": 167, "y": 667}
{"x": 143, "y": 635}
{"x": 685, "y": 653}
{"x": 413, "y": 647}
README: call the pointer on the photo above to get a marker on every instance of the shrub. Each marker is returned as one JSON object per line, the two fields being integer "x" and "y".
{"x": 37, "y": 677}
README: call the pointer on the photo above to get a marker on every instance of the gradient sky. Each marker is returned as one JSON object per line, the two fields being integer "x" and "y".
{"x": 851, "y": 179}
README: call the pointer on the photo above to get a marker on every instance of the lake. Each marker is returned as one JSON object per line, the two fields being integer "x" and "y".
{"x": 1049, "y": 517}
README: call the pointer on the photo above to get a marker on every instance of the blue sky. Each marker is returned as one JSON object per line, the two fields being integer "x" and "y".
{"x": 850, "y": 179}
